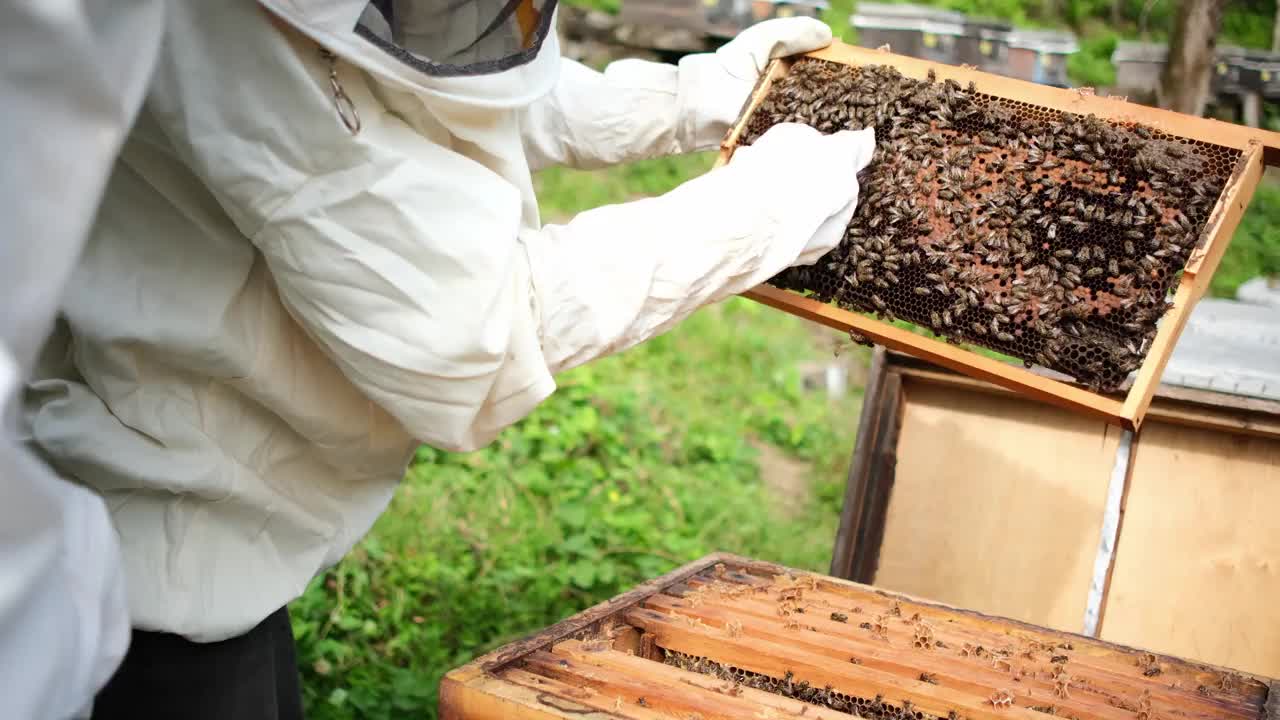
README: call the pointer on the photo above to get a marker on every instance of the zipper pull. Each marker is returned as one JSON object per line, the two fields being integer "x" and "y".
{"x": 341, "y": 101}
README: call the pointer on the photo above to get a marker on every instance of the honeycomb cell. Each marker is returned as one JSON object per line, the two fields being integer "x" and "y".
{"x": 868, "y": 708}
{"x": 1051, "y": 237}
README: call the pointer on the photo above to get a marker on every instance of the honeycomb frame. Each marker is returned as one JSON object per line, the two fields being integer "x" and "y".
{"x": 1245, "y": 149}
{"x": 727, "y": 637}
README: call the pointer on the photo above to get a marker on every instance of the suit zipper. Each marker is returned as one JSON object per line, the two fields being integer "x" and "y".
{"x": 342, "y": 103}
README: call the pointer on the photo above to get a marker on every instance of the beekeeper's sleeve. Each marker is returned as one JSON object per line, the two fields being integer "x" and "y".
{"x": 638, "y": 109}
{"x": 413, "y": 266}
{"x": 412, "y": 269}
{"x": 72, "y": 76}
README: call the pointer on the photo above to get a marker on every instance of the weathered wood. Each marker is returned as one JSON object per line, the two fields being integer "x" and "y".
{"x": 854, "y": 509}
{"x": 984, "y": 518}
{"x": 834, "y": 640}
{"x": 883, "y": 466}
{"x": 1119, "y": 533}
{"x": 575, "y": 700}
{"x": 774, "y": 70}
{"x": 642, "y": 690}
{"x": 1123, "y": 658}
{"x": 777, "y": 660}
{"x": 914, "y": 366}
{"x": 941, "y": 353}
{"x": 1201, "y": 550}
{"x": 675, "y": 677}
{"x": 471, "y": 690}
{"x": 593, "y": 620}
{"x": 1183, "y": 406}
{"x": 494, "y": 698}
{"x": 1195, "y": 280}
{"x": 609, "y": 664}
{"x": 1110, "y": 676}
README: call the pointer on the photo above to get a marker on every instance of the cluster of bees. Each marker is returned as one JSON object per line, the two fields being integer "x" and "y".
{"x": 1047, "y": 236}
{"x": 877, "y": 708}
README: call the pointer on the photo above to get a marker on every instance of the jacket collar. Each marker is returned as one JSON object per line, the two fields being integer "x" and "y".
{"x": 334, "y": 25}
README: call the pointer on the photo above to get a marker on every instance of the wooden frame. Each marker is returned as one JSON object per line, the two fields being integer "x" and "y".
{"x": 873, "y": 474}
{"x": 606, "y": 662}
{"x": 870, "y": 474}
{"x": 1257, "y": 147}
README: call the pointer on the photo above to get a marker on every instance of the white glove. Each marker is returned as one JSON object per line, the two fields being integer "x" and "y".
{"x": 639, "y": 109}
{"x": 724, "y": 79}
{"x": 621, "y": 274}
{"x": 795, "y": 143}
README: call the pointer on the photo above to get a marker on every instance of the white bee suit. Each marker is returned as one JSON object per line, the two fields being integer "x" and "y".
{"x": 72, "y": 76}
{"x": 274, "y": 310}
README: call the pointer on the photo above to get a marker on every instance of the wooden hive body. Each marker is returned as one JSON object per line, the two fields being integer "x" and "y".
{"x": 728, "y": 637}
{"x": 1160, "y": 538}
{"x": 1245, "y": 151}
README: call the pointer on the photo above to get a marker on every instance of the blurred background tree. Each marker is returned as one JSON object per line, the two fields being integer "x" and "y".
{"x": 1184, "y": 86}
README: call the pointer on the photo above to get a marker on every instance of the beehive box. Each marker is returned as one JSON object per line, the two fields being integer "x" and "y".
{"x": 1066, "y": 230}
{"x": 727, "y": 637}
{"x": 1162, "y": 538}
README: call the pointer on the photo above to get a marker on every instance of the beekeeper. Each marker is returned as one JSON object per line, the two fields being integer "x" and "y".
{"x": 72, "y": 77}
{"x": 320, "y": 248}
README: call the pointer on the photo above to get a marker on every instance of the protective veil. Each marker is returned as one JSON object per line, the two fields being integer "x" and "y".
{"x": 321, "y": 247}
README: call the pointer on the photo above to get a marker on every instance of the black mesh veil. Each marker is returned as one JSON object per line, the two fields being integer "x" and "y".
{"x": 459, "y": 37}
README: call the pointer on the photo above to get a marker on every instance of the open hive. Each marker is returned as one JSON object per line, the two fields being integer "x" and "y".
{"x": 1065, "y": 230}
{"x": 727, "y": 637}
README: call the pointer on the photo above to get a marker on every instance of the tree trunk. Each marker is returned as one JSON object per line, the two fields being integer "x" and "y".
{"x": 1275, "y": 31}
{"x": 1184, "y": 85}
{"x": 1251, "y": 109}
{"x": 1143, "y": 30}
{"x": 1117, "y": 13}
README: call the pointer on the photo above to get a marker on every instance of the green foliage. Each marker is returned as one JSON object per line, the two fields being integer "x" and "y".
{"x": 1077, "y": 12}
{"x": 637, "y": 463}
{"x": 562, "y": 192}
{"x": 609, "y": 6}
{"x": 1248, "y": 23}
{"x": 1091, "y": 65}
{"x": 1271, "y": 116}
{"x": 837, "y": 17}
{"x": 1014, "y": 11}
{"x": 1255, "y": 247}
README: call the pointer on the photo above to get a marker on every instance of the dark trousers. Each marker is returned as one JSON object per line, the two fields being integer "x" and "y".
{"x": 250, "y": 677}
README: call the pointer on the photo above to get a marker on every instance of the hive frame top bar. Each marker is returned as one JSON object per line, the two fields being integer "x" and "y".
{"x": 1257, "y": 147}
{"x": 596, "y": 618}
{"x": 1082, "y": 102}
{"x": 497, "y": 685}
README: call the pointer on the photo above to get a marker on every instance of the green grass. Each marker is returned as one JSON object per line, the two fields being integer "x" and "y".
{"x": 1255, "y": 247}
{"x": 1091, "y": 65}
{"x": 637, "y": 463}
{"x": 1247, "y": 23}
{"x": 562, "y": 192}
